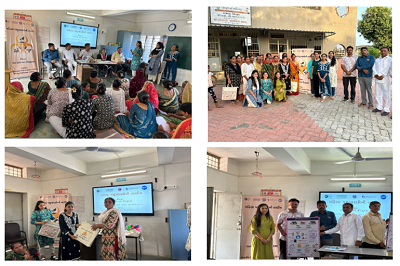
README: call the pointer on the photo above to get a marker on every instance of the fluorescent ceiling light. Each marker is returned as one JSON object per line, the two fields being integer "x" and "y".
{"x": 80, "y": 15}
{"x": 359, "y": 179}
{"x": 123, "y": 174}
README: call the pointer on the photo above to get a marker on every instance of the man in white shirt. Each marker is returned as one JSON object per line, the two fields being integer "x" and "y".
{"x": 350, "y": 226}
{"x": 381, "y": 72}
{"x": 246, "y": 68}
{"x": 119, "y": 58}
{"x": 349, "y": 74}
{"x": 86, "y": 53}
{"x": 68, "y": 57}
{"x": 281, "y": 224}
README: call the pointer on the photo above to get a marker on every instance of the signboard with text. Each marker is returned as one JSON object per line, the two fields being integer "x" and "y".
{"x": 302, "y": 239}
{"x": 303, "y": 57}
{"x": 231, "y": 15}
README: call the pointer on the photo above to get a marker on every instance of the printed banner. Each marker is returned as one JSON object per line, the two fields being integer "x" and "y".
{"x": 85, "y": 234}
{"x": 249, "y": 207}
{"x": 55, "y": 202}
{"x": 389, "y": 234}
{"x": 271, "y": 192}
{"x": 302, "y": 239}
{"x": 303, "y": 57}
{"x": 21, "y": 47}
{"x": 61, "y": 191}
{"x": 231, "y": 15}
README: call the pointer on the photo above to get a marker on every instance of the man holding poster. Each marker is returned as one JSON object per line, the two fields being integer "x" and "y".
{"x": 291, "y": 212}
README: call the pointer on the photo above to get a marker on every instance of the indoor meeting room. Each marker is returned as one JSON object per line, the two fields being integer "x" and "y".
{"x": 299, "y": 203}
{"x": 97, "y": 203}
{"x": 130, "y": 71}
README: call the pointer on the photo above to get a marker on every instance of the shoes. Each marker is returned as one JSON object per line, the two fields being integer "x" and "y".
{"x": 353, "y": 102}
{"x": 43, "y": 258}
{"x": 376, "y": 110}
{"x": 384, "y": 113}
{"x": 371, "y": 107}
{"x": 53, "y": 257}
{"x": 345, "y": 100}
{"x": 362, "y": 105}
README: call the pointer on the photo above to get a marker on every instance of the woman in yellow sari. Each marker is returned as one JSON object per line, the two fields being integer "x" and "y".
{"x": 294, "y": 74}
{"x": 19, "y": 106}
{"x": 258, "y": 64}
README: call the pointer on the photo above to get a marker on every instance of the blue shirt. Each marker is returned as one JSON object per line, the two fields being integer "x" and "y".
{"x": 367, "y": 63}
{"x": 328, "y": 219}
{"x": 49, "y": 55}
{"x": 309, "y": 67}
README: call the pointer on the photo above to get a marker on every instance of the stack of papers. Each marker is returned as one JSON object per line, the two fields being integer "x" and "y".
{"x": 336, "y": 248}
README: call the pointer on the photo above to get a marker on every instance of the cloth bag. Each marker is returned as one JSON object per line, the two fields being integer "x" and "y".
{"x": 50, "y": 230}
{"x": 293, "y": 84}
{"x": 229, "y": 93}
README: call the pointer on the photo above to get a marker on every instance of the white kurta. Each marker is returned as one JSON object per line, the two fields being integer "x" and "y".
{"x": 246, "y": 71}
{"x": 351, "y": 229}
{"x": 382, "y": 67}
{"x": 72, "y": 65}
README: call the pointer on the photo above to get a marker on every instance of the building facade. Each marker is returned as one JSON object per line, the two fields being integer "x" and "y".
{"x": 277, "y": 30}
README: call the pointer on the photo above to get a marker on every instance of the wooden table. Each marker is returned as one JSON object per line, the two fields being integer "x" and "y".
{"x": 85, "y": 67}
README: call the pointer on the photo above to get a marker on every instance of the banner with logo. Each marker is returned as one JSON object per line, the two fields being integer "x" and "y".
{"x": 230, "y": 15}
{"x": 21, "y": 47}
{"x": 271, "y": 192}
{"x": 303, "y": 57}
{"x": 249, "y": 207}
{"x": 302, "y": 240}
{"x": 55, "y": 202}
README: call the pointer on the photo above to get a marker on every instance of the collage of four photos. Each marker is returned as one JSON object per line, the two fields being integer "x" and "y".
{"x": 276, "y": 74}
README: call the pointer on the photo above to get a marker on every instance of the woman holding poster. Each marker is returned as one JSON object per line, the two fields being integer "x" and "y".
{"x": 40, "y": 216}
{"x": 69, "y": 248}
{"x": 113, "y": 239}
{"x": 262, "y": 228}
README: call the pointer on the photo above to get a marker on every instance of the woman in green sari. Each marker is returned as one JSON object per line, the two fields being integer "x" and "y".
{"x": 168, "y": 97}
{"x": 40, "y": 90}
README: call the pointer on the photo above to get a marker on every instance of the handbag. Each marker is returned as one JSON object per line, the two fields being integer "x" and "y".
{"x": 229, "y": 93}
{"x": 50, "y": 230}
{"x": 293, "y": 84}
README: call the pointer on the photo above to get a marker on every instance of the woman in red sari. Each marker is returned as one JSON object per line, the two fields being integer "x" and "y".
{"x": 149, "y": 87}
{"x": 294, "y": 74}
{"x": 184, "y": 129}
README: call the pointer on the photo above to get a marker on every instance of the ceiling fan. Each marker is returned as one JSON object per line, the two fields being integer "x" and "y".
{"x": 358, "y": 158}
{"x": 95, "y": 149}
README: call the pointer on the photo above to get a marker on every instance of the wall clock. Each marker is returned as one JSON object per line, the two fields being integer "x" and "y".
{"x": 172, "y": 27}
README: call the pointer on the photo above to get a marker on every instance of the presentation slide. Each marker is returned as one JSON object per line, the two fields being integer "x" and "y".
{"x": 360, "y": 201}
{"x": 77, "y": 35}
{"x": 134, "y": 200}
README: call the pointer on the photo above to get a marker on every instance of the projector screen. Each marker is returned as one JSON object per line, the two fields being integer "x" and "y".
{"x": 131, "y": 200}
{"x": 360, "y": 201}
{"x": 77, "y": 35}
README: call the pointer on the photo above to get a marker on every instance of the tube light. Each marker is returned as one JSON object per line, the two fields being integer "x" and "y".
{"x": 80, "y": 15}
{"x": 123, "y": 174}
{"x": 359, "y": 179}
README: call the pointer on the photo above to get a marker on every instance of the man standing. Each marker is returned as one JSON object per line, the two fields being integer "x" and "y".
{"x": 309, "y": 70}
{"x": 50, "y": 58}
{"x": 364, "y": 66}
{"x": 69, "y": 58}
{"x": 86, "y": 53}
{"x": 374, "y": 227}
{"x": 327, "y": 221}
{"x": 382, "y": 81}
{"x": 281, "y": 223}
{"x": 350, "y": 226}
{"x": 349, "y": 74}
{"x": 119, "y": 58}
{"x": 17, "y": 252}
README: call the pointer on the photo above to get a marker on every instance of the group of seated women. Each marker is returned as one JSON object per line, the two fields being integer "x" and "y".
{"x": 264, "y": 90}
{"x": 76, "y": 110}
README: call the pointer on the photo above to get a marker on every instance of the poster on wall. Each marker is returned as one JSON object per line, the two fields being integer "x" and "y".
{"x": 249, "y": 208}
{"x": 61, "y": 191}
{"x": 271, "y": 192}
{"x": 231, "y": 15}
{"x": 302, "y": 240}
{"x": 55, "y": 202}
{"x": 303, "y": 57}
{"x": 21, "y": 47}
{"x": 389, "y": 234}
{"x": 22, "y": 16}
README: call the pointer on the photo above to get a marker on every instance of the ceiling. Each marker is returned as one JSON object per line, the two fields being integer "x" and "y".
{"x": 18, "y": 161}
{"x": 243, "y": 154}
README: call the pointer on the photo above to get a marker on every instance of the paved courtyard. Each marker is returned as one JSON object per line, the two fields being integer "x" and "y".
{"x": 300, "y": 119}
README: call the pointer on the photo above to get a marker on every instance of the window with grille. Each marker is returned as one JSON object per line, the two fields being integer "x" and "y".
{"x": 13, "y": 170}
{"x": 277, "y": 46}
{"x": 213, "y": 47}
{"x": 212, "y": 161}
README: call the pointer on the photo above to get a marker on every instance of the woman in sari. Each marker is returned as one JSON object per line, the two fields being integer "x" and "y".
{"x": 136, "y": 56}
{"x": 233, "y": 76}
{"x": 18, "y": 111}
{"x": 275, "y": 66}
{"x": 266, "y": 88}
{"x": 155, "y": 62}
{"x": 186, "y": 94}
{"x": 253, "y": 97}
{"x": 258, "y": 64}
{"x": 279, "y": 87}
{"x": 168, "y": 97}
{"x": 172, "y": 63}
{"x": 136, "y": 83}
{"x": 149, "y": 87}
{"x": 113, "y": 240}
{"x": 58, "y": 99}
{"x": 184, "y": 129}
{"x": 267, "y": 67}
{"x": 39, "y": 217}
{"x": 294, "y": 74}
{"x": 41, "y": 91}
{"x": 140, "y": 121}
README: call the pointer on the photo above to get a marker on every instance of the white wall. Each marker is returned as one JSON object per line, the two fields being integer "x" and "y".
{"x": 156, "y": 230}
{"x": 221, "y": 181}
{"x": 31, "y": 190}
